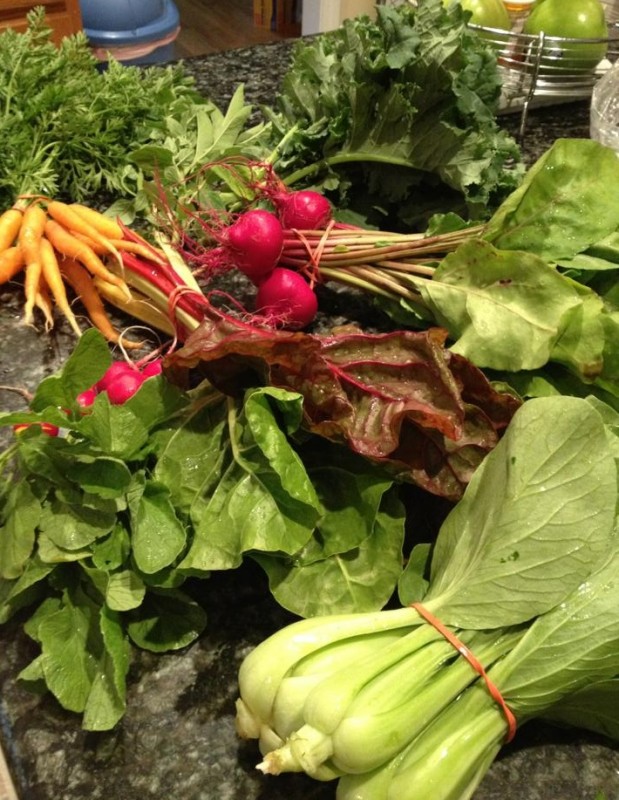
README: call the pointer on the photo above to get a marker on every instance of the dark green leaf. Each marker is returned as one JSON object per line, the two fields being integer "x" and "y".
{"x": 21, "y": 516}
{"x": 345, "y": 582}
{"x": 157, "y": 535}
{"x": 166, "y": 620}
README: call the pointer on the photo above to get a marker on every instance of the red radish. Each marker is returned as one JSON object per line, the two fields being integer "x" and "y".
{"x": 304, "y": 209}
{"x": 123, "y": 387}
{"x": 286, "y": 296}
{"x": 114, "y": 371}
{"x": 255, "y": 242}
{"x": 86, "y": 398}
{"x": 152, "y": 368}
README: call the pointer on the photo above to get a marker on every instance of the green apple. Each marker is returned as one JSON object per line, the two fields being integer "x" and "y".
{"x": 571, "y": 19}
{"x": 487, "y": 13}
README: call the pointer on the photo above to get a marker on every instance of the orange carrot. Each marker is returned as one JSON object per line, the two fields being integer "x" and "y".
{"x": 29, "y": 238}
{"x": 105, "y": 225}
{"x": 11, "y": 261}
{"x": 145, "y": 250}
{"x": 10, "y": 223}
{"x": 53, "y": 279}
{"x": 83, "y": 284}
{"x": 75, "y": 223}
{"x": 68, "y": 245}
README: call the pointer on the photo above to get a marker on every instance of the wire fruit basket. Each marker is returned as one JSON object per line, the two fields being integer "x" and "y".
{"x": 543, "y": 70}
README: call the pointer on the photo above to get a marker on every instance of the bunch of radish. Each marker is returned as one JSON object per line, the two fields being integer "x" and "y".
{"x": 254, "y": 244}
{"x": 120, "y": 382}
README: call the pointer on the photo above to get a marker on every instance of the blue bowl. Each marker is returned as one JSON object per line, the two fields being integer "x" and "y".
{"x": 133, "y": 31}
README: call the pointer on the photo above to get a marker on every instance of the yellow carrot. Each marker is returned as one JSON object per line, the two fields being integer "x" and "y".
{"x": 10, "y": 223}
{"x": 142, "y": 249}
{"x": 11, "y": 262}
{"x": 53, "y": 279}
{"x": 29, "y": 238}
{"x": 43, "y": 301}
{"x": 105, "y": 225}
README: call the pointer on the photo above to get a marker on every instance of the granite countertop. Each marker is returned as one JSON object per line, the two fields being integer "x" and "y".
{"x": 177, "y": 739}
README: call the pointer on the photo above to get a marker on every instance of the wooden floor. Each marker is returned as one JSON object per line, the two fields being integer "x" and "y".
{"x": 210, "y": 26}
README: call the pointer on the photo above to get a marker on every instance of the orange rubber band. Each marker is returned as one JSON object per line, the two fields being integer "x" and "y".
{"x": 496, "y": 695}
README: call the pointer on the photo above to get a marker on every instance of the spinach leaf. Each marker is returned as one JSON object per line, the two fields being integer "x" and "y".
{"x": 263, "y": 499}
{"x": 345, "y": 581}
{"x": 503, "y": 309}
{"x": 562, "y": 207}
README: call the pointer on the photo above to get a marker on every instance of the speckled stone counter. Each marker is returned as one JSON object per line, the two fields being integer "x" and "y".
{"x": 177, "y": 740}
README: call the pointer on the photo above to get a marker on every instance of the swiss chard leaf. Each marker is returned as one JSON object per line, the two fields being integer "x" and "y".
{"x": 400, "y": 399}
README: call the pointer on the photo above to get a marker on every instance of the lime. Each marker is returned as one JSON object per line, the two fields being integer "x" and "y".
{"x": 571, "y": 19}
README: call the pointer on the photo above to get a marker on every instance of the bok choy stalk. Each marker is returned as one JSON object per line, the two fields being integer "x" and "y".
{"x": 566, "y": 649}
{"x": 383, "y": 700}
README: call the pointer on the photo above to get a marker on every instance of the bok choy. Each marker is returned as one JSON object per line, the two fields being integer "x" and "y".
{"x": 525, "y": 575}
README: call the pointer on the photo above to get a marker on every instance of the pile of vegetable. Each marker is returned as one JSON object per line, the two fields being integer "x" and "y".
{"x": 528, "y": 296}
{"x": 518, "y": 612}
{"x": 249, "y": 435}
{"x": 105, "y": 516}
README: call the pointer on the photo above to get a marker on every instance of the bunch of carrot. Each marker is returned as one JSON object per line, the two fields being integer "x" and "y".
{"x": 55, "y": 244}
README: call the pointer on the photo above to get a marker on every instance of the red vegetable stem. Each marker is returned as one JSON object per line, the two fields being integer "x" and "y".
{"x": 164, "y": 287}
{"x": 185, "y": 318}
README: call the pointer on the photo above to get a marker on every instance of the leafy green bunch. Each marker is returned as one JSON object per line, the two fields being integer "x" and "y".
{"x": 67, "y": 126}
{"x": 103, "y": 526}
{"x": 385, "y": 113}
